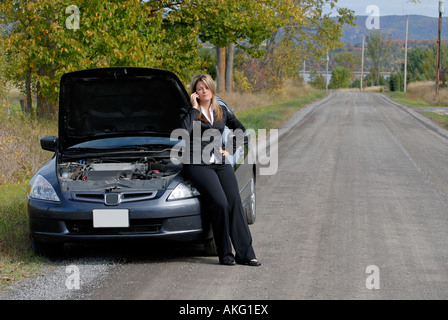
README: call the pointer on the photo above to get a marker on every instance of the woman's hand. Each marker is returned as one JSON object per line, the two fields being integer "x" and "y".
{"x": 225, "y": 153}
{"x": 194, "y": 100}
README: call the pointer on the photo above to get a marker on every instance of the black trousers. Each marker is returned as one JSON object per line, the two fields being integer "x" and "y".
{"x": 219, "y": 188}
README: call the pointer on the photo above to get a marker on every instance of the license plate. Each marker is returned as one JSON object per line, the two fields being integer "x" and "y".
{"x": 118, "y": 218}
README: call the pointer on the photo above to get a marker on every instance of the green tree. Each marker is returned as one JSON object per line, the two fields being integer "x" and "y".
{"x": 348, "y": 60}
{"x": 415, "y": 66}
{"x": 19, "y": 17}
{"x": 246, "y": 24}
{"x": 4, "y": 83}
{"x": 428, "y": 62}
{"x": 379, "y": 50}
{"x": 340, "y": 78}
{"x": 317, "y": 81}
{"x": 237, "y": 23}
{"x": 308, "y": 37}
{"x": 396, "y": 82}
{"x": 111, "y": 33}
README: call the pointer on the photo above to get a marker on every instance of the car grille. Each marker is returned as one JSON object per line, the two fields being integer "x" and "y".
{"x": 113, "y": 198}
{"x": 137, "y": 226}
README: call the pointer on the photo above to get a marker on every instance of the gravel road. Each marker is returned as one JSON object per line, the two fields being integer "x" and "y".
{"x": 357, "y": 210}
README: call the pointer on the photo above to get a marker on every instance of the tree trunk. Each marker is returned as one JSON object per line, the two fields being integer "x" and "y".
{"x": 45, "y": 109}
{"x": 230, "y": 54}
{"x": 27, "y": 104}
{"x": 270, "y": 45}
{"x": 220, "y": 70}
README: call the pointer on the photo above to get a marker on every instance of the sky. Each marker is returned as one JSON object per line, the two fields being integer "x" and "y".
{"x": 395, "y": 7}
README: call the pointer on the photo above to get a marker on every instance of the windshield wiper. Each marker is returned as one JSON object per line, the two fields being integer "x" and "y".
{"x": 83, "y": 150}
{"x": 148, "y": 147}
{"x": 86, "y": 152}
{"x": 109, "y": 149}
{"x": 133, "y": 147}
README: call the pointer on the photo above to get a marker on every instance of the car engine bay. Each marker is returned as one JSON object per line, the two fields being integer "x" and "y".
{"x": 100, "y": 174}
{"x": 95, "y": 169}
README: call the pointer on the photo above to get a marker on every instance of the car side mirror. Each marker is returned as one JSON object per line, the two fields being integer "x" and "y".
{"x": 49, "y": 143}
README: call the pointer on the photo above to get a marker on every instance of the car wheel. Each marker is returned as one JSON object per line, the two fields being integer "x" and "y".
{"x": 49, "y": 250}
{"x": 249, "y": 205}
{"x": 210, "y": 247}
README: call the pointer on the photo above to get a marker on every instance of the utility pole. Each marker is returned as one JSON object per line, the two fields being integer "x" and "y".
{"x": 304, "y": 70}
{"x": 362, "y": 62}
{"x": 406, "y": 56}
{"x": 441, "y": 11}
{"x": 326, "y": 78}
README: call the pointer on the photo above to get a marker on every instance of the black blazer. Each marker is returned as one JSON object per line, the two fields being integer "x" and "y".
{"x": 211, "y": 138}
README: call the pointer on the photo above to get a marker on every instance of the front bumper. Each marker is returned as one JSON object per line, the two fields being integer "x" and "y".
{"x": 71, "y": 221}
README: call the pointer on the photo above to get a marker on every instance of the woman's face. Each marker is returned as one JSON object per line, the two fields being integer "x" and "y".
{"x": 204, "y": 93}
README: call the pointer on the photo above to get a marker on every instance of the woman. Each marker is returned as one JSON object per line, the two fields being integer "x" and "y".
{"x": 214, "y": 178}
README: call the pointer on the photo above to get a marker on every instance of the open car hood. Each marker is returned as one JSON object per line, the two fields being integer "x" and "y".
{"x": 118, "y": 102}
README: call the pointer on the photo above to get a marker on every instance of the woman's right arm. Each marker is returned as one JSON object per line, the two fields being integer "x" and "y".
{"x": 187, "y": 116}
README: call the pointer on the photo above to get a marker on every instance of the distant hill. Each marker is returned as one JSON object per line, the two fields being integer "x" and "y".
{"x": 420, "y": 28}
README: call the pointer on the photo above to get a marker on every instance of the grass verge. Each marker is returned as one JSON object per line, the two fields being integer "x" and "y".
{"x": 17, "y": 260}
{"x": 409, "y": 100}
{"x": 273, "y": 116}
{"x": 414, "y": 101}
{"x": 441, "y": 119}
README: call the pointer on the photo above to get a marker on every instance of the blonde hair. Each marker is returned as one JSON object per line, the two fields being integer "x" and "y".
{"x": 211, "y": 85}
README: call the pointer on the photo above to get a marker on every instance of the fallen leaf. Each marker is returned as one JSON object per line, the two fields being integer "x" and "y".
{"x": 8, "y": 279}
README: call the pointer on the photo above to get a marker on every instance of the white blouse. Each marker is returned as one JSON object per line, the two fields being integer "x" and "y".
{"x": 212, "y": 120}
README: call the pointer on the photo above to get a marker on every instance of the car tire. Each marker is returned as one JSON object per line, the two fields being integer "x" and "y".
{"x": 250, "y": 203}
{"x": 49, "y": 250}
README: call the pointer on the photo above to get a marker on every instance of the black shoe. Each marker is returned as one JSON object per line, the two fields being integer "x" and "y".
{"x": 227, "y": 261}
{"x": 252, "y": 263}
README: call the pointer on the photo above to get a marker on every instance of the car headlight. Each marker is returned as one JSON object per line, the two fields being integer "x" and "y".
{"x": 182, "y": 191}
{"x": 43, "y": 190}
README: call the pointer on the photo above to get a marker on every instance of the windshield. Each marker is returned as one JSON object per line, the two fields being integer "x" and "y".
{"x": 123, "y": 142}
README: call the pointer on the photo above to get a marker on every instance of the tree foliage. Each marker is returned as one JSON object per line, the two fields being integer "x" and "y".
{"x": 422, "y": 63}
{"x": 349, "y": 60}
{"x": 44, "y": 39}
{"x": 111, "y": 33}
{"x": 379, "y": 50}
{"x": 308, "y": 37}
{"x": 4, "y": 83}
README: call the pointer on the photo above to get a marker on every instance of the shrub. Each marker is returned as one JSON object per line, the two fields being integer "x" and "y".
{"x": 340, "y": 78}
{"x": 317, "y": 81}
{"x": 396, "y": 82}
